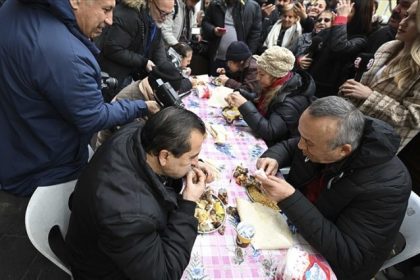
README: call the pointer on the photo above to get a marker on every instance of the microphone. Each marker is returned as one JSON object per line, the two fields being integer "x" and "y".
{"x": 362, "y": 64}
{"x": 314, "y": 47}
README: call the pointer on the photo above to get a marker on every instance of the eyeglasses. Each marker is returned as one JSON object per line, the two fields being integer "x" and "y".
{"x": 162, "y": 13}
{"x": 326, "y": 20}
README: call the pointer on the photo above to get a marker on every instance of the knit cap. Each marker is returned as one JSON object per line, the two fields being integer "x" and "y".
{"x": 276, "y": 61}
{"x": 238, "y": 51}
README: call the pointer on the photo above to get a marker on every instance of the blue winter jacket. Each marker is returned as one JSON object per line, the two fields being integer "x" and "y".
{"x": 50, "y": 98}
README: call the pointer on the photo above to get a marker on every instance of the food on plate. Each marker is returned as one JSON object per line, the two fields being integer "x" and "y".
{"x": 222, "y": 194}
{"x": 216, "y": 81}
{"x": 231, "y": 114}
{"x": 253, "y": 187}
{"x": 210, "y": 213}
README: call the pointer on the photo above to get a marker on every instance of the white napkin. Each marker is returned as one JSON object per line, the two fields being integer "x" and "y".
{"x": 218, "y": 132}
{"x": 271, "y": 229}
{"x": 217, "y": 97}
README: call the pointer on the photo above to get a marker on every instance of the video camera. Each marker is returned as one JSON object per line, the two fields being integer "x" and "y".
{"x": 109, "y": 86}
{"x": 166, "y": 96}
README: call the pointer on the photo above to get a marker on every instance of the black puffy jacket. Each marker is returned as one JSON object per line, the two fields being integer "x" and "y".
{"x": 125, "y": 47}
{"x": 356, "y": 218}
{"x": 125, "y": 223}
{"x": 283, "y": 113}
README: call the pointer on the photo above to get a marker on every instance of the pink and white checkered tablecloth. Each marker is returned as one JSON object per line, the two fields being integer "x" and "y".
{"x": 216, "y": 256}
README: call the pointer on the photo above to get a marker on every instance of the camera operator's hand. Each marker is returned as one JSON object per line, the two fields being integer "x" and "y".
{"x": 149, "y": 66}
{"x": 195, "y": 184}
{"x": 152, "y": 106}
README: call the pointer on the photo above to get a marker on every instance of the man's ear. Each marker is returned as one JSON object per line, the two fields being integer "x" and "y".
{"x": 75, "y": 4}
{"x": 163, "y": 157}
{"x": 346, "y": 150}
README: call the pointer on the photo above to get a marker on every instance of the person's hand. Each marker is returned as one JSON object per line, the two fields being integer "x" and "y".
{"x": 235, "y": 99}
{"x": 305, "y": 62}
{"x": 221, "y": 71}
{"x": 300, "y": 10}
{"x": 195, "y": 184}
{"x": 152, "y": 106}
{"x": 149, "y": 66}
{"x": 186, "y": 71}
{"x": 354, "y": 89}
{"x": 344, "y": 8}
{"x": 219, "y": 31}
{"x": 275, "y": 188}
{"x": 207, "y": 170}
{"x": 269, "y": 165}
{"x": 267, "y": 9}
{"x": 223, "y": 79}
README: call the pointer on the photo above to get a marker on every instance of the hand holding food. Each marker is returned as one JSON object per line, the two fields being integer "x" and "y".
{"x": 269, "y": 165}
{"x": 276, "y": 188}
{"x": 194, "y": 185}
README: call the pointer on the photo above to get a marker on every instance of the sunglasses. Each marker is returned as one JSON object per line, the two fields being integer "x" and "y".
{"x": 162, "y": 13}
{"x": 323, "y": 19}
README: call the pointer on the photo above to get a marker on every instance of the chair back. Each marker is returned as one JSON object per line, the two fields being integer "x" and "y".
{"x": 48, "y": 207}
{"x": 410, "y": 230}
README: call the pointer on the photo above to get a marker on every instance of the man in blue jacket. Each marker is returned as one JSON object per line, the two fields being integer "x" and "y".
{"x": 50, "y": 93}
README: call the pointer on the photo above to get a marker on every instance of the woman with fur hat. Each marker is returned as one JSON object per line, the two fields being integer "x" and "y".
{"x": 242, "y": 68}
{"x": 285, "y": 95}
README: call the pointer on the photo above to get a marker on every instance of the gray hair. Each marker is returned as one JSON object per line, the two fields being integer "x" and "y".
{"x": 351, "y": 121}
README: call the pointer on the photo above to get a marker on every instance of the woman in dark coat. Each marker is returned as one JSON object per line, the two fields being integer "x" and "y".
{"x": 285, "y": 95}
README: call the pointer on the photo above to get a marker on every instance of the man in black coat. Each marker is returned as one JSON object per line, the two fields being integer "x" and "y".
{"x": 133, "y": 44}
{"x": 346, "y": 192}
{"x": 129, "y": 218}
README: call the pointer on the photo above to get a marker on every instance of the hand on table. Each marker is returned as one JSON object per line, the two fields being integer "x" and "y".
{"x": 223, "y": 79}
{"x": 275, "y": 188}
{"x": 235, "y": 99}
{"x": 354, "y": 89}
{"x": 195, "y": 184}
{"x": 269, "y": 165}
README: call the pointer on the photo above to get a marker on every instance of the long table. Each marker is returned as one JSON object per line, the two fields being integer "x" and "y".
{"x": 217, "y": 256}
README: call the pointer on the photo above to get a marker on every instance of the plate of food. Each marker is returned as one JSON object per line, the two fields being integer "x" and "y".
{"x": 231, "y": 114}
{"x": 210, "y": 213}
{"x": 252, "y": 187}
{"x": 216, "y": 81}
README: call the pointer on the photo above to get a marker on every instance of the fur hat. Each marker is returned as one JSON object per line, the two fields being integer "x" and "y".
{"x": 276, "y": 61}
{"x": 238, "y": 51}
{"x": 168, "y": 73}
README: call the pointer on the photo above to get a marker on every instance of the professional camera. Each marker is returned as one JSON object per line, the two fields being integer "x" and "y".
{"x": 109, "y": 86}
{"x": 166, "y": 96}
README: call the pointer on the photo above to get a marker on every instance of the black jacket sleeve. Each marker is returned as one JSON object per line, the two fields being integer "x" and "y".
{"x": 140, "y": 251}
{"x": 117, "y": 44}
{"x": 282, "y": 152}
{"x": 340, "y": 43}
{"x": 276, "y": 126}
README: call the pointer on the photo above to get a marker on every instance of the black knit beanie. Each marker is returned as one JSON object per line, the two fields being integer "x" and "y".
{"x": 238, "y": 51}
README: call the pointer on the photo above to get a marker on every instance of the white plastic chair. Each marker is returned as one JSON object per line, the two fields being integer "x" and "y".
{"x": 47, "y": 207}
{"x": 410, "y": 229}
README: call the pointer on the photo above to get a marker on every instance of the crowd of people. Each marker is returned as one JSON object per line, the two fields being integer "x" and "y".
{"x": 335, "y": 96}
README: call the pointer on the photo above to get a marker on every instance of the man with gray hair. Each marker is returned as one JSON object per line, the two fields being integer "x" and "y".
{"x": 346, "y": 192}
